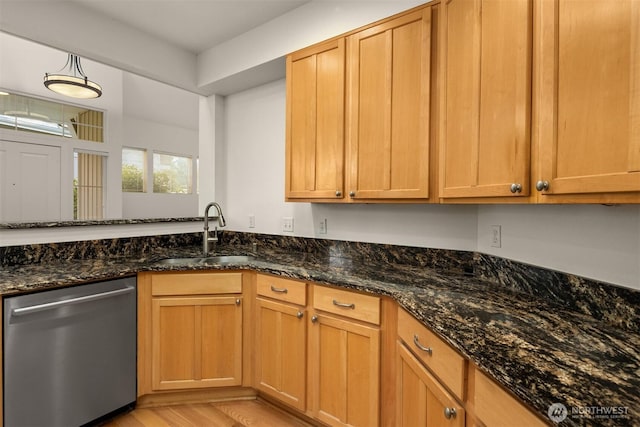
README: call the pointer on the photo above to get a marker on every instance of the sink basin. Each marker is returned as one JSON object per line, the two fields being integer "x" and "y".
{"x": 210, "y": 260}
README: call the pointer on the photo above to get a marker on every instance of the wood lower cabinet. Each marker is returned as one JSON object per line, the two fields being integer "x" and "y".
{"x": 190, "y": 330}
{"x": 494, "y": 407}
{"x": 281, "y": 340}
{"x": 422, "y": 401}
{"x": 344, "y": 359}
{"x": 197, "y": 342}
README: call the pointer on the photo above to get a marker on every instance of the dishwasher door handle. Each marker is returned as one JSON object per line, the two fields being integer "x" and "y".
{"x": 57, "y": 304}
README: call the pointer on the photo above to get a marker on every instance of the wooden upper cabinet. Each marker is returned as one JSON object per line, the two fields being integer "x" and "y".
{"x": 388, "y": 108}
{"x": 315, "y": 122}
{"x": 486, "y": 98}
{"x": 589, "y": 106}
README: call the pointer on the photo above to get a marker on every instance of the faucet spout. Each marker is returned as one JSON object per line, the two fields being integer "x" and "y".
{"x": 206, "y": 239}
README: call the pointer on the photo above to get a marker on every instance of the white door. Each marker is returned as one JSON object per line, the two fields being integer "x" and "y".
{"x": 29, "y": 182}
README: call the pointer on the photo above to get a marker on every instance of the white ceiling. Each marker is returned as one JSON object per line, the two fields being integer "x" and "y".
{"x": 193, "y": 25}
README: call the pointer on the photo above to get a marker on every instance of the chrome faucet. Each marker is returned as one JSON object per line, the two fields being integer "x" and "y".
{"x": 206, "y": 239}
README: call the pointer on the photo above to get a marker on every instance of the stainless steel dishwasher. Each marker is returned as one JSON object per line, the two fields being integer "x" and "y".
{"x": 69, "y": 354}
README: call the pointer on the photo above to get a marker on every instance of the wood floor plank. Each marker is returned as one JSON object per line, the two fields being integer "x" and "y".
{"x": 255, "y": 413}
{"x": 241, "y": 413}
{"x": 206, "y": 414}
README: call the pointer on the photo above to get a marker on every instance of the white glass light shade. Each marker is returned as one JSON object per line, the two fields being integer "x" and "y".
{"x": 75, "y": 87}
{"x": 76, "y": 84}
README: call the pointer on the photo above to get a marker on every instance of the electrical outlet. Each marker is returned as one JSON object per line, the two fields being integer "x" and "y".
{"x": 252, "y": 221}
{"x": 322, "y": 229}
{"x": 496, "y": 236}
{"x": 287, "y": 224}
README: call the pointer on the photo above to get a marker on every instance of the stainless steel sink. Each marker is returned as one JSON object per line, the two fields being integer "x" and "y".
{"x": 209, "y": 260}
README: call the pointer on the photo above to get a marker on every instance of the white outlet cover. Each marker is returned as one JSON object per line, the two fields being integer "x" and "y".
{"x": 496, "y": 236}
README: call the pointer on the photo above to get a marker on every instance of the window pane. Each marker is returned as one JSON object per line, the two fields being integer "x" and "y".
{"x": 133, "y": 170}
{"x": 171, "y": 174}
{"x": 88, "y": 188}
{"x": 29, "y": 114}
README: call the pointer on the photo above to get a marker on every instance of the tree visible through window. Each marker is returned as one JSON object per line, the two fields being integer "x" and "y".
{"x": 172, "y": 174}
{"x": 133, "y": 170}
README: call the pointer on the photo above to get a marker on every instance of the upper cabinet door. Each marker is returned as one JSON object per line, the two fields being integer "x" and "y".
{"x": 315, "y": 122}
{"x": 589, "y": 78}
{"x": 389, "y": 85}
{"x": 486, "y": 98}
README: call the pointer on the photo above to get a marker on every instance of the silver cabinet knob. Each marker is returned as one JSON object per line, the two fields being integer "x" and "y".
{"x": 542, "y": 185}
{"x": 450, "y": 413}
{"x": 299, "y": 314}
{"x": 314, "y": 319}
{"x": 338, "y": 193}
{"x": 352, "y": 194}
{"x": 516, "y": 188}
{"x": 238, "y": 301}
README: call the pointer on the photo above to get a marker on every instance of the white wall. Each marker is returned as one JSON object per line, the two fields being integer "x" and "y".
{"x": 160, "y": 118}
{"x": 594, "y": 241}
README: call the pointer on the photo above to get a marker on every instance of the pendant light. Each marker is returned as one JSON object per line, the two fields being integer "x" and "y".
{"x": 75, "y": 83}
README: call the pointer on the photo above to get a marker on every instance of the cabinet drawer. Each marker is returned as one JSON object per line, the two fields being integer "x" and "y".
{"x": 348, "y": 304}
{"x": 282, "y": 289}
{"x": 196, "y": 283}
{"x": 495, "y": 407}
{"x": 437, "y": 355}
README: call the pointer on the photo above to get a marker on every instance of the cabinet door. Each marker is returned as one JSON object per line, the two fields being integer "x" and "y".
{"x": 389, "y": 77}
{"x": 344, "y": 360}
{"x": 422, "y": 401}
{"x": 486, "y": 98}
{"x": 315, "y": 122}
{"x": 281, "y": 352}
{"x": 589, "y": 132}
{"x": 196, "y": 342}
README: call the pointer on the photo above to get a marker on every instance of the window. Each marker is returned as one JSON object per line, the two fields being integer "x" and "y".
{"x": 88, "y": 185}
{"x": 172, "y": 174}
{"x": 134, "y": 170}
{"x": 24, "y": 113}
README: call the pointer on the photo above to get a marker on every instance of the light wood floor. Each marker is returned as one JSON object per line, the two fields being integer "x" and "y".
{"x": 243, "y": 413}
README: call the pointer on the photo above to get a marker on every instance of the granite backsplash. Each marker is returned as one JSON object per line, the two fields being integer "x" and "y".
{"x": 614, "y": 305}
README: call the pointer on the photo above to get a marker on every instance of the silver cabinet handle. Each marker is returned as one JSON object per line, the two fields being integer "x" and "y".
{"x": 344, "y": 305}
{"x": 279, "y": 290}
{"x": 56, "y": 304}
{"x": 338, "y": 193}
{"x": 238, "y": 301}
{"x": 352, "y": 194}
{"x": 450, "y": 413}
{"x": 314, "y": 318}
{"x": 416, "y": 341}
{"x": 299, "y": 314}
{"x": 516, "y": 188}
{"x": 542, "y": 185}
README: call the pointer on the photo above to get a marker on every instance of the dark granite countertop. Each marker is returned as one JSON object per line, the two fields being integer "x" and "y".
{"x": 540, "y": 351}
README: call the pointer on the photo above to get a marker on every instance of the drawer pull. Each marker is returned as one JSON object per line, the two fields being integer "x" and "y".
{"x": 279, "y": 290}
{"x": 352, "y": 306}
{"x": 420, "y": 346}
{"x": 238, "y": 301}
{"x": 299, "y": 314}
{"x": 314, "y": 318}
{"x": 450, "y": 413}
